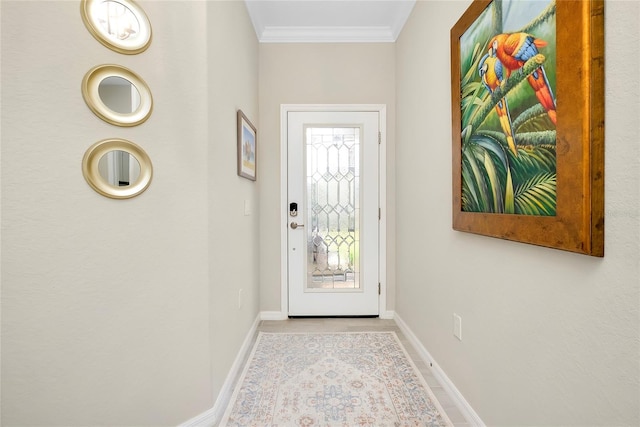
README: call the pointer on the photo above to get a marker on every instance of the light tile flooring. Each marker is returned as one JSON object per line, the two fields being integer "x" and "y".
{"x": 365, "y": 324}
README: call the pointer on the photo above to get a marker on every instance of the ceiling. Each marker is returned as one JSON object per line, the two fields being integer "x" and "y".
{"x": 328, "y": 21}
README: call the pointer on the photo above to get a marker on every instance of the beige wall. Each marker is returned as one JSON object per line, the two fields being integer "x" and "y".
{"x": 233, "y": 236}
{"x": 317, "y": 74}
{"x": 549, "y": 337}
{"x": 112, "y": 309}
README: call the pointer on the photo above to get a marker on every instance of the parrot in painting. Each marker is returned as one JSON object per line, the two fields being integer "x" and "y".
{"x": 513, "y": 50}
{"x": 491, "y": 72}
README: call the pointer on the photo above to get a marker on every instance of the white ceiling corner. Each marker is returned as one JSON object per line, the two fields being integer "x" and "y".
{"x": 328, "y": 21}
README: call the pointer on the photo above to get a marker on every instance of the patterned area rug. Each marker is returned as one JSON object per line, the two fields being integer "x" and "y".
{"x": 332, "y": 379}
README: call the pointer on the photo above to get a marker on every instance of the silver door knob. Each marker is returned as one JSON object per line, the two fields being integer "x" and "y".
{"x": 295, "y": 225}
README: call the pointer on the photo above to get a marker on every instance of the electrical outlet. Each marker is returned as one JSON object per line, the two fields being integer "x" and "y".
{"x": 240, "y": 297}
{"x": 457, "y": 326}
{"x": 247, "y": 207}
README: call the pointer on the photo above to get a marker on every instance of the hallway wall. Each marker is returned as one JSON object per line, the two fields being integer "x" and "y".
{"x": 549, "y": 337}
{"x": 113, "y": 311}
{"x": 317, "y": 73}
{"x": 232, "y": 51}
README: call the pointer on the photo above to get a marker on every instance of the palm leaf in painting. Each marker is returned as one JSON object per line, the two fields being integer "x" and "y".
{"x": 537, "y": 196}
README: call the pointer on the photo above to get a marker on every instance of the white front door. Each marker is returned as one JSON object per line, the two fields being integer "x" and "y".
{"x": 333, "y": 218}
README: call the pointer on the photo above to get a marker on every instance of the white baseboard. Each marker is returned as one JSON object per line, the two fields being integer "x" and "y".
{"x": 207, "y": 419}
{"x": 273, "y": 315}
{"x": 467, "y": 411}
{"x": 389, "y": 314}
{"x": 211, "y": 417}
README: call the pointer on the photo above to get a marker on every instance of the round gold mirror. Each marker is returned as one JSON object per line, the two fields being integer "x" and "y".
{"x": 117, "y": 168}
{"x": 120, "y": 25}
{"x": 117, "y": 95}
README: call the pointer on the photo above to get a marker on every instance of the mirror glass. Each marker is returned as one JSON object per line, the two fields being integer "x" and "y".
{"x": 119, "y": 168}
{"x": 119, "y": 94}
{"x": 120, "y": 25}
{"x": 117, "y": 20}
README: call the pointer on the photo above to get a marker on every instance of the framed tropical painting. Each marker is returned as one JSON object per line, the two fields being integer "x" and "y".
{"x": 527, "y": 89}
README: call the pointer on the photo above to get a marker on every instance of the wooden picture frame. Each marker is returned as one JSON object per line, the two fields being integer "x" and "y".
{"x": 247, "y": 146}
{"x": 561, "y": 208}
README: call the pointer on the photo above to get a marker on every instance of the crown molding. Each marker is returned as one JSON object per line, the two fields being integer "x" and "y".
{"x": 403, "y": 11}
{"x": 387, "y": 33}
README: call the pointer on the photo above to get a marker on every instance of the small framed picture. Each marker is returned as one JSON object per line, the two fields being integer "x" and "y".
{"x": 247, "y": 140}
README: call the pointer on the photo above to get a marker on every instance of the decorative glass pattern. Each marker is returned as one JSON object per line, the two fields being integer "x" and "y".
{"x": 333, "y": 207}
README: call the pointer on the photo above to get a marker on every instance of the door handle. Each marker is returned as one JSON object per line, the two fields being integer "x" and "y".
{"x": 295, "y": 225}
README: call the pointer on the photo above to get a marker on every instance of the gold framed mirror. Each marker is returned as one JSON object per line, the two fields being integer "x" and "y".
{"x": 117, "y": 168}
{"x": 117, "y": 95}
{"x": 120, "y": 25}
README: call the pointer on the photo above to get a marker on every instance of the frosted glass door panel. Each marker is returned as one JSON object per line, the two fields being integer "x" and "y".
{"x": 333, "y": 207}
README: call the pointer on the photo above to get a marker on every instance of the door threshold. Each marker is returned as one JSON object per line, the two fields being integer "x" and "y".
{"x": 363, "y": 316}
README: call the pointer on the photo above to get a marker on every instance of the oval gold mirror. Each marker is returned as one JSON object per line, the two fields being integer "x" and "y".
{"x": 120, "y": 25}
{"x": 117, "y": 168}
{"x": 117, "y": 95}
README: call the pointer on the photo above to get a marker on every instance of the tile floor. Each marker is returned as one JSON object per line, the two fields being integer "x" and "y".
{"x": 365, "y": 324}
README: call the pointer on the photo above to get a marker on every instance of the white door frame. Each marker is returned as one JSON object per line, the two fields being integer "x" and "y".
{"x": 381, "y": 109}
